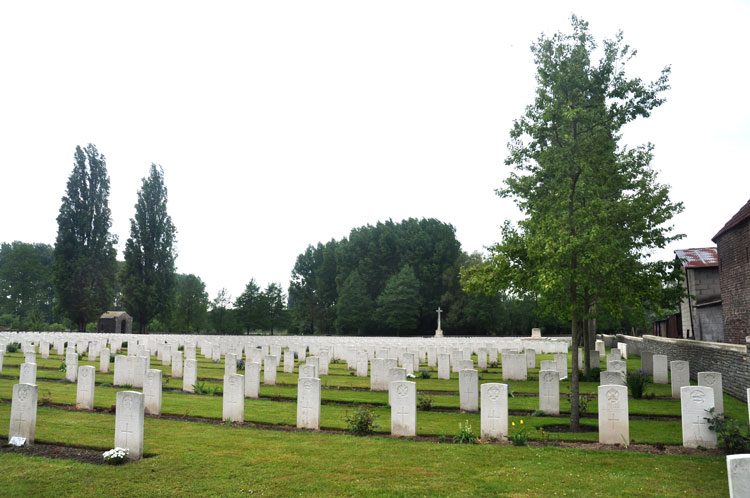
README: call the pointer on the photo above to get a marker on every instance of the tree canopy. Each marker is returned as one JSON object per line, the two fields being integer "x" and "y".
{"x": 84, "y": 267}
{"x": 593, "y": 210}
{"x": 148, "y": 279}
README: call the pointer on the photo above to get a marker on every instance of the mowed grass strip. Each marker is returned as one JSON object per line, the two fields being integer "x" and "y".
{"x": 193, "y": 459}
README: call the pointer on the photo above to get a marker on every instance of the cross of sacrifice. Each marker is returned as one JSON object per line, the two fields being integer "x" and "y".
{"x": 438, "y": 312}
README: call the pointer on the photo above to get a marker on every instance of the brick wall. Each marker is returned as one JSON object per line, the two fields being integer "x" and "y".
{"x": 734, "y": 273}
{"x": 729, "y": 359}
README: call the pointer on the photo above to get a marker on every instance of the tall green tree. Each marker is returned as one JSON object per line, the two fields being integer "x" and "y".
{"x": 84, "y": 268}
{"x": 26, "y": 281}
{"x": 355, "y": 310}
{"x": 593, "y": 211}
{"x": 398, "y": 304}
{"x": 221, "y": 314}
{"x": 191, "y": 304}
{"x": 250, "y": 307}
{"x": 274, "y": 306}
{"x": 148, "y": 279}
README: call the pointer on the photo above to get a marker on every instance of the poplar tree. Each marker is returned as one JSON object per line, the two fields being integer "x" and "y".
{"x": 84, "y": 270}
{"x": 148, "y": 279}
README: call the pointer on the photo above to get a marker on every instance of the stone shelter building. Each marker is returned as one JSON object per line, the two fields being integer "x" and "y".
{"x": 733, "y": 244}
{"x": 115, "y": 322}
{"x": 700, "y": 310}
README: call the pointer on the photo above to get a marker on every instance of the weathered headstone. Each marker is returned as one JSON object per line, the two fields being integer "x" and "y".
{"x": 233, "y": 402}
{"x": 44, "y": 349}
{"x": 680, "y": 376}
{"x": 599, "y": 346}
{"x": 713, "y": 380}
{"x": 152, "y": 392}
{"x": 464, "y": 365}
{"x": 230, "y": 364}
{"x": 661, "y": 374}
{"x": 308, "y": 403}
{"x": 27, "y": 374}
{"x": 514, "y": 366}
{"x": 177, "y": 365}
{"x": 530, "y": 358}
{"x": 404, "y": 409}
{"x": 407, "y": 362}
{"x": 129, "y": 423}
{"x": 561, "y": 359}
{"x": 738, "y": 473}
{"x": 647, "y": 362}
{"x": 325, "y": 358}
{"x": 29, "y": 357}
{"x": 468, "y": 390}
{"x": 315, "y": 362}
{"x": 482, "y": 358}
{"x": 307, "y": 371}
{"x": 614, "y": 425}
{"x": 494, "y": 416}
{"x": 23, "y": 412}
{"x": 548, "y": 365}
{"x": 594, "y": 360}
{"x": 85, "y": 390}
{"x": 71, "y": 367}
{"x": 444, "y": 366}
{"x": 614, "y": 354}
{"x": 618, "y": 366}
{"x": 696, "y": 402}
{"x": 549, "y": 392}
{"x": 190, "y": 376}
{"x": 140, "y": 365}
{"x": 362, "y": 363}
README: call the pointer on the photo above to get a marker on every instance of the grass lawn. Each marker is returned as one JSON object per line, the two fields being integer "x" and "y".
{"x": 187, "y": 458}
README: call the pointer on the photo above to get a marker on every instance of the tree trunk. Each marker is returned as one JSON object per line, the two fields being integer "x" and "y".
{"x": 586, "y": 348}
{"x": 574, "y": 409}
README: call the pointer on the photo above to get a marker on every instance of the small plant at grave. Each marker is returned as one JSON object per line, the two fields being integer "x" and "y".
{"x": 227, "y": 423}
{"x": 116, "y": 456}
{"x": 493, "y": 364}
{"x": 12, "y": 347}
{"x": 465, "y": 434}
{"x": 424, "y": 373}
{"x": 180, "y": 348}
{"x": 164, "y": 381}
{"x": 732, "y": 436}
{"x": 545, "y": 435}
{"x": 583, "y": 404}
{"x": 424, "y": 402}
{"x": 240, "y": 365}
{"x": 105, "y": 384}
{"x": 112, "y": 358}
{"x": 127, "y": 386}
{"x": 200, "y": 388}
{"x": 649, "y": 396}
{"x": 520, "y": 438}
{"x": 593, "y": 375}
{"x": 637, "y": 382}
{"x": 351, "y": 373}
{"x": 46, "y": 399}
{"x": 362, "y": 421}
{"x": 510, "y": 391}
{"x": 63, "y": 367}
{"x": 539, "y": 413}
{"x": 80, "y": 356}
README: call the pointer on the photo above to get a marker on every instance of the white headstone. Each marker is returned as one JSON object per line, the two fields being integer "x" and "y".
{"x": 177, "y": 365}
{"x": 548, "y": 365}
{"x": 85, "y": 390}
{"x": 444, "y": 366}
{"x": 129, "y": 423}
{"x": 104, "y": 361}
{"x": 594, "y": 359}
{"x": 308, "y": 403}
{"x": 29, "y": 357}
{"x": 140, "y": 365}
{"x": 71, "y": 367}
{"x": 536, "y": 333}
{"x": 27, "y": 374}
{"x": 468, "y": 390}
{"x": 152, "y": 392}
{"x": 234, "y": 398}
{"x": 599, "y": 346}
{"x": 23, "y": 412}
{"x": 362, "y": 363}
{"x": 404, "y": 408}
{"x": 561, "y": 360}
{"x": 614, "y": 426}
{"x": 407, "y": 362}
{"x": 647, "y": 362}
{"x": 549, "y": 392}
{"x": 288, "y": 361}
{"x": 661, "y": 374}
{"x": 230, "y": 364}
{"x": 307, "y": 371}
{"x": 696, "y": 401}
{"x": 530, "y": 358}
{"x": 394, "y": 374}
{"x": 494, "y": 416}
{"x": 269, "y": 370}
{"x": 482, "y": 358}
{"x": 738, "y": 472}
{"x": 713, "y": 380}
{"x": 252, "y": 380}
{"x": 315, "y": 362}
{"x": 611, "y": 378}
{"x": 514, "y": 366}
{"x": 190, "y": 376}
{"x": 617, "y": 366}
{"x": 680, "y": 376}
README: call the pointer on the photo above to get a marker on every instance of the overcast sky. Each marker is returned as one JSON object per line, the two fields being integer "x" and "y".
{"x": 284, "y": 123}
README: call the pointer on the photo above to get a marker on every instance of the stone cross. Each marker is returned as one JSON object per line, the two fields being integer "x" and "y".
{"x": 439, "y": 330}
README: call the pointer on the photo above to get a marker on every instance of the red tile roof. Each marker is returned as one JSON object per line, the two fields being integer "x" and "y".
{"x": 742, "y": 215}
{"x": 704, "y": 257}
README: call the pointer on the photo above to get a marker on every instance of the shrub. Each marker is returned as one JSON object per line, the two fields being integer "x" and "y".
{"x": 593, "y": 375}
{"x": 362, "y": 421}
{"x": 12, "y": 347}
{"x": 637, "y": 382}
{"x": 732, "y": 436}
{"x": 465, "y": 434}
{"x": 57, "y": 327}
{"x": 538, "y": 413}
{"x": 583, "y": 403}
{"x": 424, "y": 373}
{"x": 200, "y": 388}
{"x": 520, "y": 438}
{"x": 424, "y": 402}
{"x": 240, "y": 365}
{"x": 63, "y": 367}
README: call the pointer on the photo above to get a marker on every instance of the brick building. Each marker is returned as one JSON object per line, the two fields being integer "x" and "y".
{"x": 733, "y": 245}
{"x": 700, "y": 309}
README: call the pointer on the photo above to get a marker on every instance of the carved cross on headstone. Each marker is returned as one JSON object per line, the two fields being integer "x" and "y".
{"x": 403, "y": 412}
{"x": 494, "y": 419}
{"x": 613, "y": 418}
{"x": 126, "y": 432}
{"x": 698, "y": 426}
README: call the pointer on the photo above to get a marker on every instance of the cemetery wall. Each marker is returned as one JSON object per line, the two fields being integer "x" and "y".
{"x": 731, "y": 360}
